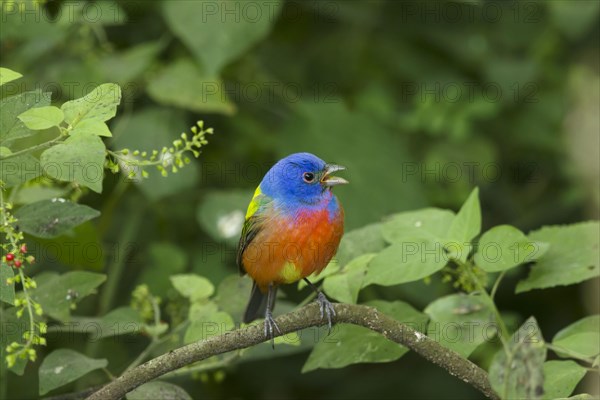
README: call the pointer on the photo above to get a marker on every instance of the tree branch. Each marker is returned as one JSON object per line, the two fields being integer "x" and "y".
{"x": 305, "y": 317}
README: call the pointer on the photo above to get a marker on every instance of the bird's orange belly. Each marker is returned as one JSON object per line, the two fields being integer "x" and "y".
{"x": 291, "y": 249}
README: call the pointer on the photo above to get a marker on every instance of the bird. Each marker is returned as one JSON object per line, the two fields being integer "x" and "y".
{"x": 292, "y": 229}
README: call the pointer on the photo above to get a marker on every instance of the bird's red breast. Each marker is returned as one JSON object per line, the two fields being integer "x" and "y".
{"x": 291, "y": 247}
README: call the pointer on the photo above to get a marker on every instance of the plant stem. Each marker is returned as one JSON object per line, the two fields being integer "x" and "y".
{"x": 142, "y": 356}
{"x": 115, "y": 269}
{"x": 34, "y": 148}
{"x": 490, "y": 301}
{"x": 29, "y": 313}
{"x": 108, "y": 374}
{"x": 496, "y": 285}
{"x": 154, "y": 344}
{"x": 26, "y": 295}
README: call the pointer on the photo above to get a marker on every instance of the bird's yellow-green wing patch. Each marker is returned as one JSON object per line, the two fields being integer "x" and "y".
{"x": 252, "y": 225}
{"x": 254, "y": 203}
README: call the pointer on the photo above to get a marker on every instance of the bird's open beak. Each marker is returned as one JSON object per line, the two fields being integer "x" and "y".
{"x": 329, "y": 180}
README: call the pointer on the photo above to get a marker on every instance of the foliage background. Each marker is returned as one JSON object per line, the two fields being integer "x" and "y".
{"x": 404, "y": 94}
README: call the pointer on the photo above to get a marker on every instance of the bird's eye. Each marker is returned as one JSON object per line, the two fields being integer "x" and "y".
{"x": 308, "y": 177}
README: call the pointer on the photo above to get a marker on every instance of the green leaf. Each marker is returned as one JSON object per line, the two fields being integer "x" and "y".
{"x": 573, "y": 256}
{"x": 561, "y": 378}
{"x": 78, "y": 159}
{"x": 120, "y": 321}
{"x": 42, "y": 117}
{"x": 63, "y": 366}
{"x": 465, "y": 226}
{"x": 7, "y": 291}
{"x": 214, "y": 37}
{"x": 367, "y": 239}
{"x": 19, "y": 169}
{"x": 57, "y": 294}
{"x": 504, "y": 247}
{"x": 158, "y": 389}
{"x": 428, "y": 223}
{"x": 345, "y": 284}
{"x": 8, "y": 75}
{"x": 79, "y": 247}
{"x": 156, "y": 330}
{"x": 100, "y": 104}
{"x": 232, "y": 295}
{"x": 35, "y": 193}
{"x": 11, "y": 127}
{"x": 91, "y": 127}
{"x": 516, "y": 372}
{"x": 193, "y": 287}
{"x": 351, "y": 344}
{"x": 581, "y": 337}
{"x": 51, "y": 218}
{"x": 182, "y": 84}
{"x": 411, "y": 260}
{"x": 206, "y": 321}
{"x": 461, "y": 322}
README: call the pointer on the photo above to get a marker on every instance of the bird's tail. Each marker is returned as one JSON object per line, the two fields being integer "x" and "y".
{"x": 256, "y": 306}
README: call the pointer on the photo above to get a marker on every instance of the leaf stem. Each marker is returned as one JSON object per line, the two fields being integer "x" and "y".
{"x": 490, "y": 300}
{"x": 142, "y": 356}
{"x": 108, "y": 373}
{"x": 155, "y": 339}
{"x": 114, "y": 270}
{"x": 497, "y": 284}
{"x": 34, "y": 148}
{"x": 152, "y": 345}
{"x": 31, "y": 317}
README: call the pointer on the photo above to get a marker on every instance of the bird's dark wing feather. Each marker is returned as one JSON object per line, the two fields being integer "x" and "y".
{"x": 252, "y": 226}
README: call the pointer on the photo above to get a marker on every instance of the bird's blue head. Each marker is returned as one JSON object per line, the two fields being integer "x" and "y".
{"x": 301, "y": 179}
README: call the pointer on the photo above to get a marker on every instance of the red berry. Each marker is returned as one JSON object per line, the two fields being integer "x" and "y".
{"x": 18, "y": 263}
{"x": 23, "y": 248}
{"x": 10, "y": 257}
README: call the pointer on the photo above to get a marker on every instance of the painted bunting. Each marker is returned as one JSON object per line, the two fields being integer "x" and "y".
{"x": 293, "y": 228}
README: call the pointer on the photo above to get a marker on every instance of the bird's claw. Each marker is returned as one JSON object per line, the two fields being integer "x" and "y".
{"x": 326, "y": 309}
{"x": 271, "y": 327}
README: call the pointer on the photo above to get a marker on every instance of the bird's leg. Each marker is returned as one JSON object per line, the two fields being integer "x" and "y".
{"x": 270, "y": 324}
{"x": 325, "y": 305}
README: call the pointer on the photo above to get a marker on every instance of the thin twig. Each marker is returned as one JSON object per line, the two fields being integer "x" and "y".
{"x": 33, "y": 148}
